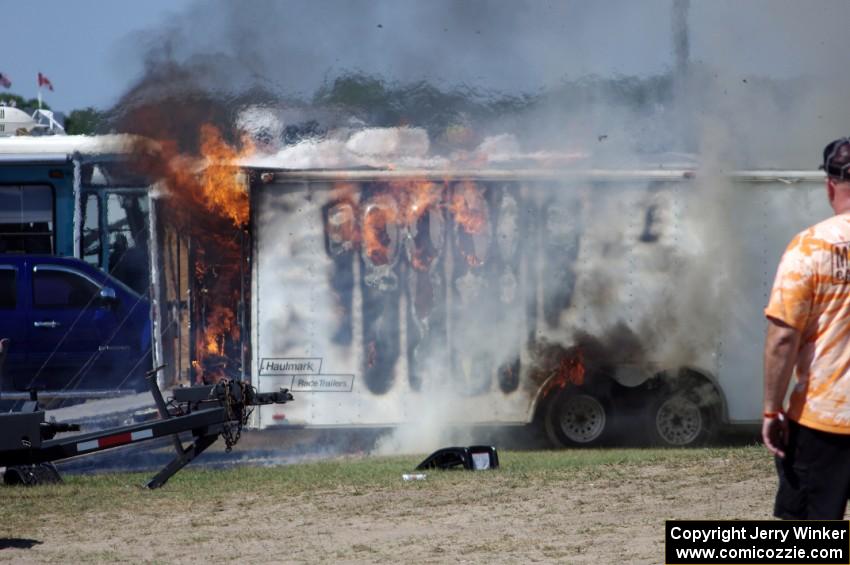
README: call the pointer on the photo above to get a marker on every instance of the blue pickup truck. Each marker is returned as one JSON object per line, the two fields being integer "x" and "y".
{"x": 71, "y": 326}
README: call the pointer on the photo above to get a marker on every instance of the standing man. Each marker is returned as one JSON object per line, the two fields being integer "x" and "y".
{"x": 809, "y": 328}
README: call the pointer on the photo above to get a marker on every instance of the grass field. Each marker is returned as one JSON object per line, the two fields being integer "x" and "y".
{"x": 545, "y": 506}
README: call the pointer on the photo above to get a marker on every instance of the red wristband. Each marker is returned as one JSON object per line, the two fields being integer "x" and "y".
{"x": 772, "y": 415}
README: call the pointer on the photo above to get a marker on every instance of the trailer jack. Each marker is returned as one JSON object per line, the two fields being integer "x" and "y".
{"x": 28, "y": 448}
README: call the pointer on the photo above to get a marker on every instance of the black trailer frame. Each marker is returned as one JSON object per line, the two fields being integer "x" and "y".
{"x": 210, "y": 411}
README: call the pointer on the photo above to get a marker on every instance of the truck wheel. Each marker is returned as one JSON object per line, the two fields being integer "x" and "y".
{"x": 576, "y": 418}
{"x": 677, "y": 418}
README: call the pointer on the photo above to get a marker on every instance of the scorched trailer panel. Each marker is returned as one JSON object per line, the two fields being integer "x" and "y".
{"x": 384, "y": 297}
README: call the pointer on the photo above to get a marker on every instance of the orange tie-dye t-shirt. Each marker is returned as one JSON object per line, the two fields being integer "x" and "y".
{"x": 812, "y": 294}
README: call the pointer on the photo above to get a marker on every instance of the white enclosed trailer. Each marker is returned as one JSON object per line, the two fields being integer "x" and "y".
{"x": 377, "y": 303}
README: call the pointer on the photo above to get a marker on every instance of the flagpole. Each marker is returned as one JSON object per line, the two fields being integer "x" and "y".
{"x": 39, "y": 97}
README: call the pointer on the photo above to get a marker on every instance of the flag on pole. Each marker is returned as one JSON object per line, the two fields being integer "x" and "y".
{"x": 44, "y": 81}
{"x": 4, "y": 81}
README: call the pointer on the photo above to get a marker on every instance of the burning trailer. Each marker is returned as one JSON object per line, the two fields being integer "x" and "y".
{"x": 582, "y": 299}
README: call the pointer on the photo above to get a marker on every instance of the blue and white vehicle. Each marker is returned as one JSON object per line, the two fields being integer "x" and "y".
{"x": 73, "y": 220}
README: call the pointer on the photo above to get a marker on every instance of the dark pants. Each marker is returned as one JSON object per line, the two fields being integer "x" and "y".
{"x": 814, "y": 477}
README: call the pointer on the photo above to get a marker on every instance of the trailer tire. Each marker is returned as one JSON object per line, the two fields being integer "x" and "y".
{"x": 31, "y": 475}
{"x": 679, "y": 418}
{"x": 577, "y": 418}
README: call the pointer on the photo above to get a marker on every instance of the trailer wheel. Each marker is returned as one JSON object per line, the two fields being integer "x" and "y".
{"x": 577, "y": 418}
{"x": 31, "y": 475}
{"x": 679, "y": 418}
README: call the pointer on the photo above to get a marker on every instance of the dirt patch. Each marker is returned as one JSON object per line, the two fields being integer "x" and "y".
{"x": 590, "y": 514}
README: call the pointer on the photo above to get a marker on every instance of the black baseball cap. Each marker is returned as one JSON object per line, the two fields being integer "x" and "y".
{"x": 836, "y": 159}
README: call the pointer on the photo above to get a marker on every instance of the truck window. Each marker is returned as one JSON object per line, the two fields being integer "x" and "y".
{"x": 26, "y": 219}
{"x": 8, "y": 288}
{"x": 90, "y": 242}
{"x": 61, "y": 289}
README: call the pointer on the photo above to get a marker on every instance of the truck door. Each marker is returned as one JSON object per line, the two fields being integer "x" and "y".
{"x": 12, "y": 323}
{"x": 64, "y": 337}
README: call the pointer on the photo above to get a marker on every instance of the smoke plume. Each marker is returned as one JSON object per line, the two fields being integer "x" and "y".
{"x": 716, "y": 86}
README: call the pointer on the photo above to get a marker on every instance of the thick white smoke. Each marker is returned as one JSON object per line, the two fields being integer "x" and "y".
{"x": 374, "y": 147}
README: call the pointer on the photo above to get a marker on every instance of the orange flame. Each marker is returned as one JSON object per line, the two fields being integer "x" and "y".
{"x": 213, "y": 340}
{"x": 208, "y": 196}
{"x": 378, "y": 215}
{"x": 569, "y": 370}
{"x": 575, "y": 369}
{"x": 222, "y": 188}
{"x": 469, "y": 207}
{"x": 216, "y": 186}
{"x": 221, "y": 322}
{"x": 415, "y": 198}
{"x": 402, "y": 203}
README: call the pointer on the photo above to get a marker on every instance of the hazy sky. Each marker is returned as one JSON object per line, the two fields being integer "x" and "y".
{"x": 93, "y": 50}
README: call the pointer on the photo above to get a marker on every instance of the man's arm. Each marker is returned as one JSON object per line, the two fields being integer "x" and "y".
{"x": 780, "y": 355}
